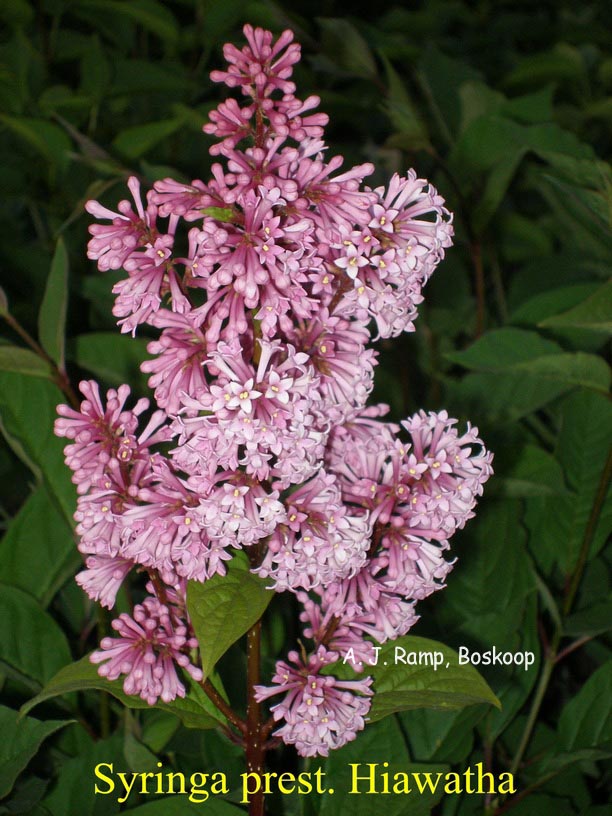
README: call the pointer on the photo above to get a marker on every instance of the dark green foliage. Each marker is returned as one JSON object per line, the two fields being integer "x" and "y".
{"x": 506, "y": 107}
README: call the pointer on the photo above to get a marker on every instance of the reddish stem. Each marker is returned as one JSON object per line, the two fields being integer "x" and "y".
{"x": 255, "y": 740}
{"x": 573, "y": 646}
{"x": 224, "y": 707}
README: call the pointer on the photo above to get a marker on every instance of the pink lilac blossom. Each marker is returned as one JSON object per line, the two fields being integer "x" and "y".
{"x": 319, "y": 711}
{"x": 320, "y": 542}
{"x": 149, "y": 646}
{"x": 261, "y": 439}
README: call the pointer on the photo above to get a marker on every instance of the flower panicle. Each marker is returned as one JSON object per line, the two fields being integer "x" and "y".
{"x": 261, "y": 438}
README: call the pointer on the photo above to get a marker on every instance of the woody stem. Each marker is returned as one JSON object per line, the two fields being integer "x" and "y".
{"x": 255, "y": 743}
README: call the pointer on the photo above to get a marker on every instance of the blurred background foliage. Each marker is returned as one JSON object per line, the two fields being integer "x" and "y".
{"x": 506, "y": 106}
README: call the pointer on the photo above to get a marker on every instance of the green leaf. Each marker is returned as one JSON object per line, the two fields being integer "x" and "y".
{"x": 23, "y": 361}
{"x": 158, "y": 728}
{"x": 381, "y": 745}
{"x": 224, "y": 608}
{"x": 507, "y": 398}
{"x": 502, "y": 348}
{"x": 60, "y": 100}
{"x": 26, "y": 797}
{"x": 593, "y": 313}
{"x": 31, "y": 642}
{"x": 73, "y": 790}
{"x": 441, "y": 736}
{"x": 401, "y": 684}
{"x": 586, "y": 721}
{"x": 531, "y": 357}
{"x": 378, "y": 743}
{"x": 568, "y": 370}
{"x": 485, "y": 598}
{"x": 522, "y": 240}
{"x": 494, "y": 144}
{"x": 343, "y": 43}
{"x": 477, "y": 100}
{"x": 491, "y": 600}
{"x": 516, "y": 685}
{"x": 593, "y": 620}
{"x": 579, "y": 215}
{"x": 95, "y": 71}
{"x": 220, "y": 213}
{"x": 194, "y": 710}
{"x": 112, "y": 357}
{"x": 531, "y": 108}
{"x": 52, "y": 315}
{"x": 412, "y": 133}
{"x": 550, "y": 270}
{"x": 135, "y": 141}
{"x": 539, "y": 804}
{"x": 552, "y": 143}
{"x": 216, "y": 752}
{"x": 181, "y": 806}
{"x": 587, "y": 172}
{"x": 150, "y": 14}
{"x": 38, "y": 552}
{"x": 21, "y": 739}
{"x": 44, "y": 137}
{"x": 27, "y": 413}
{"x": 441, "y": 78}
{"x": 561, "y": 64}
{"x": 537, "y": 309}
{"x": 535, "y": 473}
{"x": 485, "y": 143}
{"x": 135, "y": 76}
{"x": 589, "y": 207}
{"x": 558, "y": 524}
{"x": 16, "y": 13}
{"x": 496, "y": 186}
{"x": 138, "y": 755}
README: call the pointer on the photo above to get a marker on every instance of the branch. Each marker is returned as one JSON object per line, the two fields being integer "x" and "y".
{"x": 223, "y": 706}
{"x": 255, "y": 747}
{"x": 589, "y": 533}
{"x": 60, "y": 377}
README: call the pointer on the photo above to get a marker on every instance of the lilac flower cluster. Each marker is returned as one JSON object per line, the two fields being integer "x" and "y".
{"x": 261, "y": 373}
